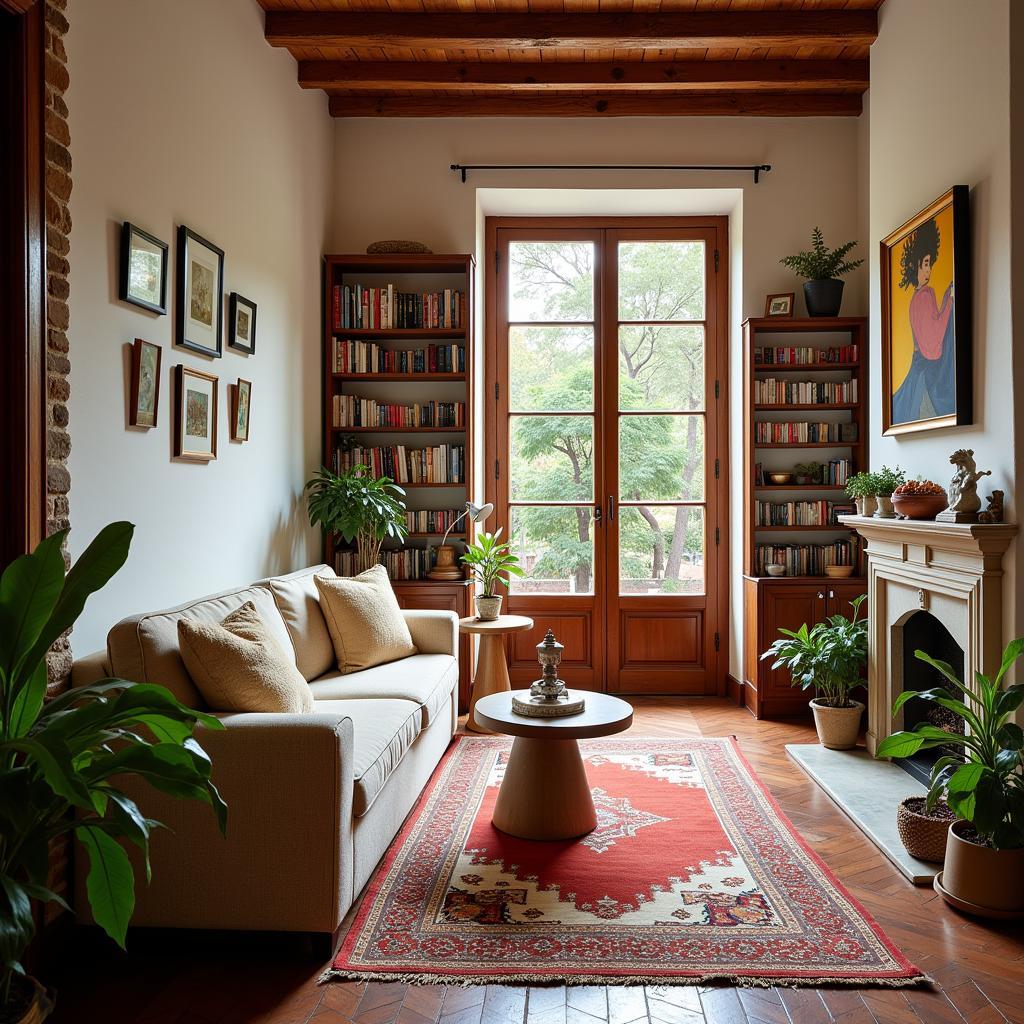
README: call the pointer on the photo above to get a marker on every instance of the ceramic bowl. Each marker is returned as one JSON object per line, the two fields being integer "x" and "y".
{"x": 775, "y": 570}
{"x": 919, "y": 506}
{"x": 780, "y": 478}
{"x": 839, "y": 572}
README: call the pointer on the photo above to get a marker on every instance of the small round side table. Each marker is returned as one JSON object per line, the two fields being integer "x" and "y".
{"x": 491, "y": 668}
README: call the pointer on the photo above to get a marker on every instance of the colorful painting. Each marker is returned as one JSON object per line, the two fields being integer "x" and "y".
{"x": 926, "y": 322}
{"x": 195, "y": 420}
{"x": 145, "y": 384}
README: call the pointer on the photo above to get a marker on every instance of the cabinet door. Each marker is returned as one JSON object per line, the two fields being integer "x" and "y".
{"x": 787, "y": 606}
{"x": 839, "y": 595}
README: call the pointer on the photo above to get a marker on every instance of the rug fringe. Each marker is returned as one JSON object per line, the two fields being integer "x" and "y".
{"x": 739, "y": 980}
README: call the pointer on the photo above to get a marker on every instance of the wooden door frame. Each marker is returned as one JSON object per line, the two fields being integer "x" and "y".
{"x": 720, "y": 224}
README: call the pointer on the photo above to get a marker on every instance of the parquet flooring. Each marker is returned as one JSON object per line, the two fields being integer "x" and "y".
{"x": 198, "y": 978}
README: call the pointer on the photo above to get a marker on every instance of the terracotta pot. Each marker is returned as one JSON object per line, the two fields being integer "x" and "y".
{"x": 488, "y": 608}
{"x": 985, "y": 878}
{"x": 885, "y": 509}
{"x": 919, "y": 506}
{"x": 838, "y": 728}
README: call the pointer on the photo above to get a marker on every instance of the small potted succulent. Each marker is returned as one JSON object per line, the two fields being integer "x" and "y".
{"x": 886, "y": 482}
{"x": 823, "y": 268}
{"x": 984, "y": 787}
{"x": 808, "y": 472}
{"x": 829, "y": 658}
{"x": 861, "y": 487}
{"x": 491, "y": 562}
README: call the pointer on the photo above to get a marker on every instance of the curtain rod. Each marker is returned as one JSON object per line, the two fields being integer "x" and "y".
{"x": 755, "y": 169}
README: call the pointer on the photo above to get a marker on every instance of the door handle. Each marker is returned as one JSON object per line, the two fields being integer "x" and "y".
{"x": 821, "y": 595}
{"x": 831, "y": 595}
{"x": 611, "y": 507}
{"x": 597, "y": 514}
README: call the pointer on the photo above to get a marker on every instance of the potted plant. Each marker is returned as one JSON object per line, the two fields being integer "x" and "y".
{"x": 808, "y": 472}
{"x": 62, "y": 761}
{"x": 359, "y": 507}
{"x": 823, "y": 268}
{"x": 828, "y": 658}
{"x": 490, "y": 562}
{"x": 862, "y": 488}
{"x": 922, "y": 829}
{"x": 984, "y": 867}
{"x": 886, "y": 481}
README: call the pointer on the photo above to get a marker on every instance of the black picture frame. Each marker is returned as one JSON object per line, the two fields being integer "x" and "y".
{"x": 238, "y": 303}
{"x": 205, "y": 333}
{"x": 130, "y": 232}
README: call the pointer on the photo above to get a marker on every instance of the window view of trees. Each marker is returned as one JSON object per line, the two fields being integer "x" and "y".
{"x": 660, "y": 422}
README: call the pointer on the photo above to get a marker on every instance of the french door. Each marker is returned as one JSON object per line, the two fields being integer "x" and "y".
{"x": 606, "y": 353}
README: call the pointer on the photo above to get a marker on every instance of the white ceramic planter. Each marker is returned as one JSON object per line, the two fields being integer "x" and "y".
{"x": 885, "y": 509}
{"x": 488, "y": 608}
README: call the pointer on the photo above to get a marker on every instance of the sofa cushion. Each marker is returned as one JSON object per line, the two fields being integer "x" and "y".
{"x": 298, "y": 601}
{"x": 383, "y": 730}
{"x": 238, "y": 665}
{"x": 425, "y": 679}
{"x": 364, "y": 620}
{"x": 144, "y": 648}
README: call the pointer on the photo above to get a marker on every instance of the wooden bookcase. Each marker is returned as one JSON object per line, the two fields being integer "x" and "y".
{"x": 414, "y": 274}
{"x": 771, "y": 603}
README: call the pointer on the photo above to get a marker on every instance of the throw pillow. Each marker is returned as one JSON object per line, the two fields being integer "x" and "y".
{"x": 238, "y": 665}
{"x": 364, "y": 620}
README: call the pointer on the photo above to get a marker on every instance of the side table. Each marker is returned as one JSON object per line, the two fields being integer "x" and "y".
{"x": 491, "y": 667}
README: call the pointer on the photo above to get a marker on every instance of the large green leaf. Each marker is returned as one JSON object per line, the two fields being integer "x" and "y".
{"x": 16, "y": 923}
{"x": 1013, "y": 651}
{"x": 110, "y": 884}
{"x": 133, "y": 824}
{"x": 28, "y": 703}
{"x": 990, "y": 803}
{"x": 965, "y": 778}
{"x": 53, "y": 759}
{"x": 1010, "y": 736}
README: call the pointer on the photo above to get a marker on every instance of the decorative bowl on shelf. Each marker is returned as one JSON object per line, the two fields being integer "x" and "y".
{"x": 780, "y": 478}
{"x": 775, "y": 570}
{"x": 919, "y": 506}
{"x": 839, "y": 572}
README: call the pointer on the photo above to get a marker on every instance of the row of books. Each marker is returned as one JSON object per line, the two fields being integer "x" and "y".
{"x": 365, "y": 357}
{"x": 440, "y": 464}
{"x": 835, "y": 472}
{"x": 402, "y": 564}
{"x": 806, "y": 355}
{"x": 804, "y": 392}
{"x": 353, "y": 411}
{"x": 804, "y": 433}
{"x": 794, "y": 513}
{"x": 432, "y": 520}
{"x": 385, "y": 308}
{"x": 806, "y": 559}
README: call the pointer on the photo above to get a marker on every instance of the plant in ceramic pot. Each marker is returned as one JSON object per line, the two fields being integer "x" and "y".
{"x": 886, "y": 481}
{"x": 808, "y": 472}
{"x": 828, "y": 658}
{"x": 491, "y": 562}
{"x": 984, "y": 867}
{"x": 861, "y": 487}
{"x": 823, "y": 269}
{"x": 63, "y": 761}
{"x": 359, "y": 507}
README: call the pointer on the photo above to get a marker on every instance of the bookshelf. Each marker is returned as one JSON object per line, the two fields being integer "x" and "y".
{"x": 804, "y": 400}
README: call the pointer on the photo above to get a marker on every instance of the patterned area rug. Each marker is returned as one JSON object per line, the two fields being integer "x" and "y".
{"x": 693, "y": 874}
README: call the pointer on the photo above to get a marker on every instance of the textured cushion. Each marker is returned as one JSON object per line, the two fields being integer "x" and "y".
{"x": 298, "y": 601}
{"x": 426, "y": 679}
{"x": 144, "y": 648}
{"x": 364, "y": 620}
{"x": 383, "y": 730}
{"x": 237, "y": 665}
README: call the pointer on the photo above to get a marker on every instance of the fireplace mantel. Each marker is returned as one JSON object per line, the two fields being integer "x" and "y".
{"x": 954, "y": 571}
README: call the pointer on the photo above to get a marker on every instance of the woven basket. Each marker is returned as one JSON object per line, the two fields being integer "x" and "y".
{"x": 924, "y": 837}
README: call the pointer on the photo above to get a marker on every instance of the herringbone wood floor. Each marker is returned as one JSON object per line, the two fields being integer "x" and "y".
{"x": 175, "y": 978}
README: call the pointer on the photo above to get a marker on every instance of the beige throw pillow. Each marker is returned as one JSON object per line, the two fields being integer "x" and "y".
{"x": 364, "y": 620}
{"x": 238, "y": 665}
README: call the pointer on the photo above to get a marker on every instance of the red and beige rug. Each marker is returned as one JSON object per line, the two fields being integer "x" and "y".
{"x": 692, "y": 875}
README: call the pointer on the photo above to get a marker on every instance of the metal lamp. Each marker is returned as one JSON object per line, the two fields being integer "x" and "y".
{"x": 446, "y": 567}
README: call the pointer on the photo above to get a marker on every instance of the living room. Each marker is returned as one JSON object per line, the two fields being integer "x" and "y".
{"x": 674, "y": 326}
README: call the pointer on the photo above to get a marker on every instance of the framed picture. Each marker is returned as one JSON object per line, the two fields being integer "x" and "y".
{"x": 241, "y": 406}
{"x": 242, "y": 324}
{"x": 195, "y": 415}
{"x": 926, "y": 318}
{"x": 142, "y": 280}
{"x": 779, "y": 305}
{"x": 200, "y": 287}
{"x": 145, "y": 384}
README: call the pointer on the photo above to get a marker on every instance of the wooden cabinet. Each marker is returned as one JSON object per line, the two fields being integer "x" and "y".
{"x": 774, "y": 604}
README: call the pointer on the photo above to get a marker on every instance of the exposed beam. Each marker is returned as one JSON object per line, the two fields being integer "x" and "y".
{"x": 680, "y": 76}
{"x": 546, "y": 31}
{"x": 656, "y": 104}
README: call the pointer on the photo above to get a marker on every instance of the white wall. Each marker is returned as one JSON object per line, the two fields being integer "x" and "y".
{"x": 392, "y": 180}
{"x": 940, "y": 116}
{"x": 181, "y": 113}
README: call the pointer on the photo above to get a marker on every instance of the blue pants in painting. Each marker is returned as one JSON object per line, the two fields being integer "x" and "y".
{"x": 935, "y": 378}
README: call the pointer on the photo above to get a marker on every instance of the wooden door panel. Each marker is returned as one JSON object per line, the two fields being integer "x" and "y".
{"x": 788, "y": 607}
{"x": 662, "y": 639}
{"x": 839, "y": 596}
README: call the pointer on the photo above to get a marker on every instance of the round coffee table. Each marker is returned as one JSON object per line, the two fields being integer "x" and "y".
{"x": 544, "y": 792}
{"x": 491, "y": 667}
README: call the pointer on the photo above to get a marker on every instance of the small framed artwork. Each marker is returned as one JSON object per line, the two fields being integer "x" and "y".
{"x": 142, "y": 280}
{"x": 200, "y": 287}
{"x": 241, "y": 406}
{"x": 242, "y": 324}
{"x": 779, "y": 305}
{"x": 195, "y": 415}
{"x": 926, "y": 318}
{"x": 145, "y": 384}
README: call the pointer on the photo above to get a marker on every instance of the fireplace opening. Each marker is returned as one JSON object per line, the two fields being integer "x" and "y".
{"x": 923, "y": 631}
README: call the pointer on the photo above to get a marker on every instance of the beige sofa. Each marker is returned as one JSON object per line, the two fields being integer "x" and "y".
{"x": 314, "y": 799}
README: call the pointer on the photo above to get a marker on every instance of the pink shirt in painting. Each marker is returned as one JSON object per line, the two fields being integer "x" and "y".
{"x": 929, "y": 322}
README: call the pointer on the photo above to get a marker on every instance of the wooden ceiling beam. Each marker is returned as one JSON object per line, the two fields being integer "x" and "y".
{"x": 696, "y": 30}
{"x": 650, "y": 104}
{"x": 681, "y": 76}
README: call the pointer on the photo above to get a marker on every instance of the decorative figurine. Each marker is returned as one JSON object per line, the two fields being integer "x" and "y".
{"x": 994, "y": 512}
{"x": 963, "y": 489}
{"x": 548, "y": 697}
